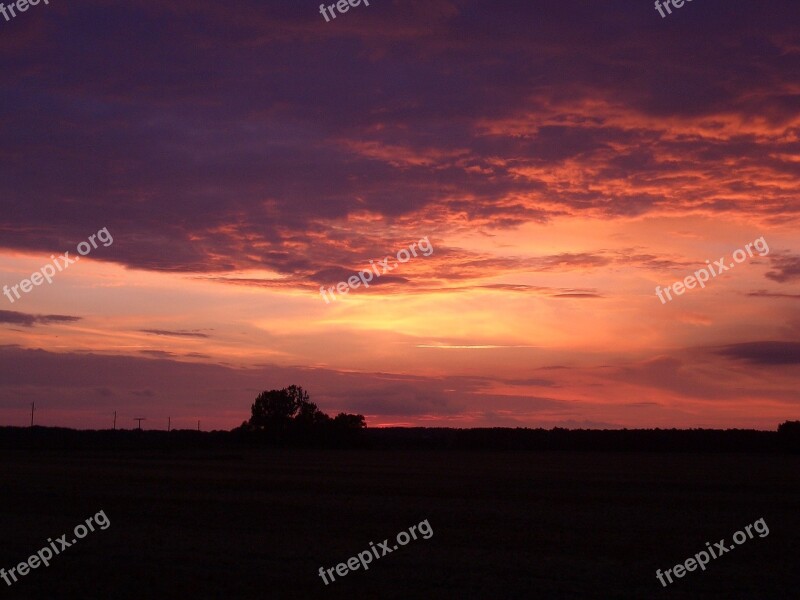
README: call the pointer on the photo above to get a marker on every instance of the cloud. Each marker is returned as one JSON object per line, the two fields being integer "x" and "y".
{"x": 785, "y": 268}
{"x": 573, "y": 424}
{"x": 178, "y": 333}
{"x": 577, "y": 295}
{"x": 398, "y": 399}
{"x": 158, "y": 353}
{"x": 568, "y": 260}
{"x": 482, "y": 122}
{"x": 767, "y": 294}
{"x": 532, "y": 381}
{"x": 29, "y": 320}
{"x": 764, "y": 353}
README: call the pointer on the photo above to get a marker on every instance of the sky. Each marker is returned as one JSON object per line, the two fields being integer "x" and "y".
{"x": 558, "y": 161}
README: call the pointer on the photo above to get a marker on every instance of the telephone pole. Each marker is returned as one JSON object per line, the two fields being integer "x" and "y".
{"x": 169, "y": 423}
{"x": 33, "y": 406}
{"x": 115, "y": 420}
{"x": 140, "y": 419}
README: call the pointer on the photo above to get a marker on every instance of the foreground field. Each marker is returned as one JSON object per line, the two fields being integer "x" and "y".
{"x": 522, "y": 525}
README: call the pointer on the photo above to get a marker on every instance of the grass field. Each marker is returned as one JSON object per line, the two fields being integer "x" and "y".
{"x": 523, "y": 525}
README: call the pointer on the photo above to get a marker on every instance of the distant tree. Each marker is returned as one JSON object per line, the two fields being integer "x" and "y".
{"x": 288, "y": 415}
{"x": 273, "y": 411}
{"x": 352, "y": 422}
{"x": 308, "y": 415}
{"x": 347, "y": 430}
{"x": 789, "y": 435}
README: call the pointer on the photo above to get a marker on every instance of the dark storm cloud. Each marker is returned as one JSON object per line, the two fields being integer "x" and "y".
{"x": 209, "y": 137}
{"x": 28, "y": 320}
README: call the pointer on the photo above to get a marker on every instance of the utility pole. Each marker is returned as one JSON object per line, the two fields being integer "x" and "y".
{"x": 169, "y": 423}
{"x": 198, "y": 425}
{"x": 140, "y": 419}
{"x": 115, "y": 420}
{"x": 33, "y": 405}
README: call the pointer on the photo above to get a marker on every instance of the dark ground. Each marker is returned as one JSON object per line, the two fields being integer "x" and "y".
{"x": 259, "y": 524}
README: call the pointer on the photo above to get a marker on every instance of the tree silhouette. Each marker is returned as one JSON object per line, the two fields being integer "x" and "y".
{"x": 348, "y": 421}
{"x": 272, "y": 413}
{"x": 287, "y": 415}
{"x": 789, "y": 435}
{"x": 309, "y": 416}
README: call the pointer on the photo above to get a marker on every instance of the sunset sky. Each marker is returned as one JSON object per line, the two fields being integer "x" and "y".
{"x": 562, "y": 158}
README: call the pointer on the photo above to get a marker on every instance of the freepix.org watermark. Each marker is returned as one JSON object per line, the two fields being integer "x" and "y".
{"x": 43, "y": 556}
{"x": 365, "y": 277}
{"x": 364, "y": 558}
{"x": 702, "y": 275}
{"x": 702, "y": 558}
{"x": 342, "y": 6}
{"x": 660, "y": 6}
{"x": 47, "y": 272}
{"x": 20, "y": 5}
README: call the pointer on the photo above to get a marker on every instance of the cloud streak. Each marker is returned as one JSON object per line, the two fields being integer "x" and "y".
{"x": 27, "y": 320}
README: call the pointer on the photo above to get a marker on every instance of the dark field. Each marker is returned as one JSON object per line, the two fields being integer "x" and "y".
{"x": 505, "y": 525}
